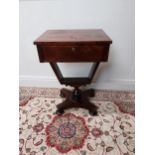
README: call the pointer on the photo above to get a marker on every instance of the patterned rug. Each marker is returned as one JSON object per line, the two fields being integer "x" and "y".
{"x": 42, "y": 132}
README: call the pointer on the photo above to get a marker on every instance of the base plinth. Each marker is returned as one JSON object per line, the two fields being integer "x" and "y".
{"x": 77, "y": 99}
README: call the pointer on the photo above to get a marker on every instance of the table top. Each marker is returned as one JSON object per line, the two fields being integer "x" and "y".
{"x": 56, "y": 37}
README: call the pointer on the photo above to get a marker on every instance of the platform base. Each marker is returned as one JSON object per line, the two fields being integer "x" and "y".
{"x": 77, "y": 99}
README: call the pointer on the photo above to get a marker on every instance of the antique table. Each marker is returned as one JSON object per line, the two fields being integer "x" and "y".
{"x": 89, "y": 45}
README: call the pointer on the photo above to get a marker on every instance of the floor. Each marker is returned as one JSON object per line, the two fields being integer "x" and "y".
{"x": 42, "y": 132}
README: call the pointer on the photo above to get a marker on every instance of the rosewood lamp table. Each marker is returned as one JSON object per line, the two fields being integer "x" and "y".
{"x": 74, "y": 46}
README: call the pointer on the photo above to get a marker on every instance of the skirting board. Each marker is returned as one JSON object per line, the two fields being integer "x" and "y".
{"x": 49, "y": 82}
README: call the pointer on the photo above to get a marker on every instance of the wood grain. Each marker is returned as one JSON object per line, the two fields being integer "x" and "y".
{"x": 72, "y": 37}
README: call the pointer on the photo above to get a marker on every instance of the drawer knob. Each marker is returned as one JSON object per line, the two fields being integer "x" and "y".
{"x": 73, "y": 49}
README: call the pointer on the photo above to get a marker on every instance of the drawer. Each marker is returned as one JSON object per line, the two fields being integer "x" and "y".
{"x": 73, "y": 53}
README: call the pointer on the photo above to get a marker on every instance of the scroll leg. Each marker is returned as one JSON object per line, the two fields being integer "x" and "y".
{"x": 59, "y": 111}
{"x": 64, "y": 92}
{"x": 64, "y": 105}
{"x": 93, "y": 110}
{"x": 89, "y": 92}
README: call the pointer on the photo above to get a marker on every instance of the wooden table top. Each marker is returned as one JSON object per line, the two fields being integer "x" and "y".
{"x": 51, "y": 37}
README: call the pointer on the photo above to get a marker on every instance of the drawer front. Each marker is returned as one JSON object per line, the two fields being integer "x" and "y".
{"x": 73, "y": 53}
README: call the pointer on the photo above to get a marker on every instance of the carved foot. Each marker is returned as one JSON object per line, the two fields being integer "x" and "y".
{"x": 59, "y": 111}
{"x": 89, "y": 92}
{"x": 93, "y": 113}
{"x": 64, "y": 93}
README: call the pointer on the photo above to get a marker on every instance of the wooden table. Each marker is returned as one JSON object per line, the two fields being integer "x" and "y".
{"x": 74, "y": 46}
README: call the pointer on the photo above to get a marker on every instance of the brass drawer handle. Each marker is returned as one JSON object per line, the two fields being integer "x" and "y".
{"x": 73, "y": 49}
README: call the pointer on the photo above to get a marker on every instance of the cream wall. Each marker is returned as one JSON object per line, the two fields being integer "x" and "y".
{"x": 115, "y": 17}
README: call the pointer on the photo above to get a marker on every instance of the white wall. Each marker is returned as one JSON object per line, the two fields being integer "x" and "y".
{"x": 115, "y": 17}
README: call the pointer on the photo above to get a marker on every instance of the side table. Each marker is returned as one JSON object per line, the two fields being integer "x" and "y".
{"x": 90, "y": 45}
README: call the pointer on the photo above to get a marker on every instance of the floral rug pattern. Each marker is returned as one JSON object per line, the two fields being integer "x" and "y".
{"x": 76, "y": 132}
{"x": 66, "y": 132}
